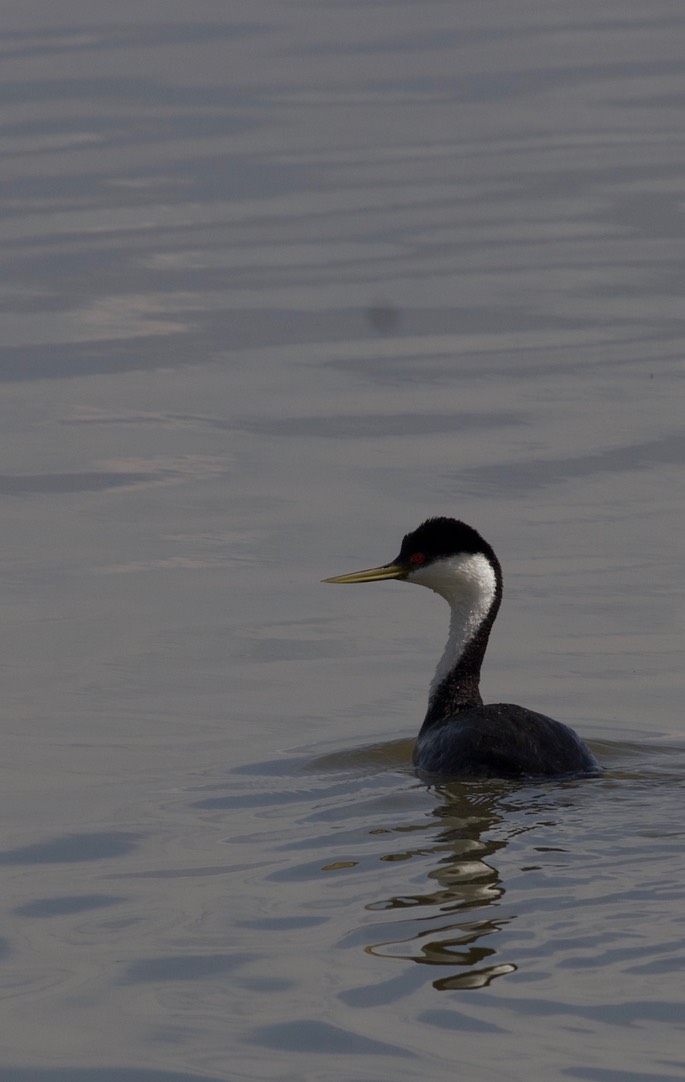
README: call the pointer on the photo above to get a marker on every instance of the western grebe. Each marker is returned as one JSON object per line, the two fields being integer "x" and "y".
{"x": 461, "y": 736}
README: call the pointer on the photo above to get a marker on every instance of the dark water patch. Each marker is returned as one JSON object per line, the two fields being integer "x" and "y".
{"x": 71, "y": 359}
{"x": 275, "y": 783}
{"x": 624, "y": 1014}
{"x": 40, "y": 484}
{"x": 601, "y": 1074}
{"x": 457, "y": 1020}
{"x": 522, "y": 478}
{"x": 67, "y": 905}
{"x": 102, "y": 1074}
{"x": 74, "y": 848}
{"x": 309, "y": 1035}
{"x": 370, "y": 758}
{"x": 384, "y": 991}
{"x": 183, "y": 967}
{"x": 268, "y": 767}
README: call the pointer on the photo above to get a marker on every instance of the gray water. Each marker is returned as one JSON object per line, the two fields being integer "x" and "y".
{"x": 279, "y": 281}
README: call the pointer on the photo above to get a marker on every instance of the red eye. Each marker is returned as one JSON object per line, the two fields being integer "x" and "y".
{"x": 417, "y": 558}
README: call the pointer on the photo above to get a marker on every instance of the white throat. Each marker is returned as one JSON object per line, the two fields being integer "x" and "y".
{"x": 469, "y": 585}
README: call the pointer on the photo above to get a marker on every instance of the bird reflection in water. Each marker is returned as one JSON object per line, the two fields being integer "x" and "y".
{"x": 446, "y": 931}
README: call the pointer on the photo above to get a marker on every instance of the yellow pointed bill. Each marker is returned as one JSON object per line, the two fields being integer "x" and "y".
{"x": 373, "y": 574}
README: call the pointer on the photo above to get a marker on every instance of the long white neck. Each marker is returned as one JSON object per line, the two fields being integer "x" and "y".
{"x": 469, "y": 585}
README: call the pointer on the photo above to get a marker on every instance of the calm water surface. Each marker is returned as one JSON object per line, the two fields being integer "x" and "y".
{"x": 281, "y": 280}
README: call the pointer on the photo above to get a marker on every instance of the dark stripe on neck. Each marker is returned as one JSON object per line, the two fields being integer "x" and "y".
{"x": 460, "y": 689}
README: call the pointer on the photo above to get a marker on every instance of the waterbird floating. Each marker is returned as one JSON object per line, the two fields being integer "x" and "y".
{"x": 460, "y": 735}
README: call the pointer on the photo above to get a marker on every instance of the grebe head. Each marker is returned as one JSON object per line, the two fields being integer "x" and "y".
{"x": 445, "y": 555}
